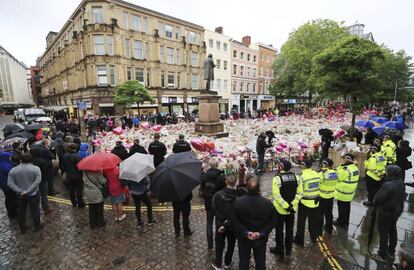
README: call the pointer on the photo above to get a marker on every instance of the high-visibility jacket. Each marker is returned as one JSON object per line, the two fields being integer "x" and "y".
{"x": 375, "y": 166}
{"x": 388, "y": 150}
{"x": 348, "y": 176}
{"x": 286, "y": 188}
{"x": 310, "y": 182}
{"x": 329, "y": 179}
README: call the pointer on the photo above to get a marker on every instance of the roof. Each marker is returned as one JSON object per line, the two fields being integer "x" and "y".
{"x": 269, "y": 47}
{"x": 14, "y": 58}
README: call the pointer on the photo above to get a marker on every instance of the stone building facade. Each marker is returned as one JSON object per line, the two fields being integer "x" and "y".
{"x": 105, "y": 43}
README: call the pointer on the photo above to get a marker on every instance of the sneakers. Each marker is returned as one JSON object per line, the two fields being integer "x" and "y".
{"x": 275, "y": 251}
{"x": 140, "y": 224}
{"x": 151, "y": 222}
{"x": 228, "y": 267}
{"x": 377, "y": 257}
{"x": 122, "y": 217}
{"x": 213, "y": 265}
{"x": 367, "y": 203}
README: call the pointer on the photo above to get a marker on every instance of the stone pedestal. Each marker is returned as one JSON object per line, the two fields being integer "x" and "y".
{"x": 209, "y": 116}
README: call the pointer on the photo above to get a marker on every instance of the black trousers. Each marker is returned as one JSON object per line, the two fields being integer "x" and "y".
{"x": 50, "y": 176}
{"x": 314, "y": 223}
{"x": 284, "y": 232}
{"x": 259, "y": 252}
{"x": 372, "y": 187}
{"x": 221, "y": 243}
{"x": 96, "y": 215}
{"x": 34, "y": 203}
{"x": 344, "y": 210}
{"x": 209, "y": 227}
{"x": 76, "y": 191}
{"x": 260, "y": 159}
{"x": 146, "y": 200}
{"x": 182, "y": 208}
{"x": 325, "y": 207}
{"x": 44, "y": 201}
{"x": 11, "y": 203}
{"x": 387, "y": 229}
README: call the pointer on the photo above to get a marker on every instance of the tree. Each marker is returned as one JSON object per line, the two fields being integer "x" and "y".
{"x": 293, "y": 66}
{"x": 348, "y": 69}
{"x": 131, "y": 92}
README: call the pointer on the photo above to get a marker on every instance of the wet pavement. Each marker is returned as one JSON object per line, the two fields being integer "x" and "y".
{"x": 66, "y": 242}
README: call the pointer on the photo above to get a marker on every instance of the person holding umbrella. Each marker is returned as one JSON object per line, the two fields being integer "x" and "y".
{"x": 116, "y": 192}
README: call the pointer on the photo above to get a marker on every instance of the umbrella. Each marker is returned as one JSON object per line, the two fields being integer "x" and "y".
{"x": 99, "y": 161}
{"x": 23, "y": 134}
{"x": 379, "y": 119}
{"x": 13, "y": 127}
{"x": 372, "y": 116}
{"x": 36, "y": 126}
{"x": 44, "y": 119}
{"x": 136, "y": 167}
{"x": 176, "y": 177}
{"x": 7, "y": 145}
{"x": 366, "y": 123}
{"x": 379, "y": 130}
{"x": 394, "y": 124}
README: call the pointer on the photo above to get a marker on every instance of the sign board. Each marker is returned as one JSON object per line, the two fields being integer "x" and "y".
{"x": 82, "y": 105}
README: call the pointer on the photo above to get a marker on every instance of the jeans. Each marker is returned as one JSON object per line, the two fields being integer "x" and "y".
{"x": 96, "y": 215}
{"x": 259, "y": 252}
{"x": 314, "y": 223}
{"x": 260, "y": 159}
{"x": 372, "y": 187}
{"x": 387, "y": 229}
{"x": 146, "y": 200}
{"x": 182, "y": 208}
{"x": 43, "y": 188}
{"x": 209, "y": 228}
{"x": 221, "y": 243}
{"x": 76, "y": 191}
{"x": 10, "y": 203}
{"x": 284, "y": 240}
{"x": 344, "y": 210}
{"x": 33, "y": 202}
{"x": 325, "y": 207}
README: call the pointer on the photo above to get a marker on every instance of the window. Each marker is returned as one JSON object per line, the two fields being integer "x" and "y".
{"x": 254, "y": 72}
{"x": 139, "y": 75}
{"x": 178, "y": 81}
{"x": 261, "y": 56}
{"x": 127, "y": 48}
{"x": 148, "y": 78}
{"x": 126, "y": 20}
{"x": 234, "y": 86}
{"x": 192, "y": 37}
{"x": 225, "y": 47}
{"x": 170, "y": 55}
{"x": 225, "y": 85}
{"x": 225, "y": 65}
{"x": 234, "y": 69}
{"x": 147, "y": 50}
{"x": 261, "y": 71}
{"x": 194, "y": 81}
{"x": 254, "y": 58}
{"x": 248, "y": 72}
{"x": 99, "y": 44}
{"x": 170, "y": 79}
{"x": 97, "y": 15}
{"x": 267, "y": 87}
{"x": 177, "y": 57}
{"x": 161, "y": 29}
{"x": 194, "y": 59}
{"x": 129, "y": 74}
{"x": 248, "y": 57}
{"x": 162, "y": 79}
{"x": 254, "y": 88}
{"x": 161, "y": 53}
{"x": 168, "y": 31}
{"x": 267, "y": 72}
{"x": 247, "y": 87}
{"x": 218, "y": 45}
{"x": 210, "y": 43}
{"x": 138, "y": 51}
{"x": 136, "y": 22}
{"x": 110, "y": 45}
{"x": 185, "y": 58}
{"x": 268, "y": 58}
{"x": 234, "y": 54}
{"x": 241, "y": 86}
{"x": 241, "y": 70}
{"x": 218, "y": 84}
{"x": 177, "y": 33}
{"x": 145, "y": 25}
{"x": 102, "y": 75}
{"x": 242, "y": 55}
{"x": 218, "y": 62}
{"x": 112, "y": 75}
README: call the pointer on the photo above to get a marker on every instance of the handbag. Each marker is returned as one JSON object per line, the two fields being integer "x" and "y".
{"x": 103, "y": 189}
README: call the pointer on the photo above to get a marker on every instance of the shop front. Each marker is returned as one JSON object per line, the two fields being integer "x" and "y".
{"x": 192, "y": 103}
{"x": 267, "y": 102}
{"x": 223, "y": 105}
{"x": 235, "y": 103}
{"x": 249, "y": 103}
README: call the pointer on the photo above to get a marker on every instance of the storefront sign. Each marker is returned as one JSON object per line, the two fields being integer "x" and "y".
{"x": 180, "y": 100}
{"x": 266, "y": 97}
{"x": 192, "y": 100}
{"x": 164, "y": 99}
{"x": 172, "y": 99}
{"x": 222, "y": 100}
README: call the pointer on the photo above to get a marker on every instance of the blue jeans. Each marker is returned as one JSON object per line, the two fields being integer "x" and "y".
{"x": 33, "y": 202}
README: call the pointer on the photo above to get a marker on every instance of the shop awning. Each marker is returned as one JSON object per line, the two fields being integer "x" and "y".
{"x": 55, "y": 108}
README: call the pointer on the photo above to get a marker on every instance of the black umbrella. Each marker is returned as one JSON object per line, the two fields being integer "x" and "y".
{"x": 176, "y": 177}
{"x": 34, "y": 127}
{"x": 13, "y": 127}
{"x": 23, "y": 134}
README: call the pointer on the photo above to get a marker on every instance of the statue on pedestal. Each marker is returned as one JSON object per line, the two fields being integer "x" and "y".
{"x": 209, "y": 70}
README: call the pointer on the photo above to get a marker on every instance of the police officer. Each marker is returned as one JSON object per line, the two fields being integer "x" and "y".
{"x": 308, "y": 206}
{"x": 388, "y": 150}
{"x": 287, "y": 192}
{"x": 181, "y": 145}
{"x": 348, "y": 176}
{"x": 157, "y": 149}
{"x": 375, "y": 166}
{"x": 329, "y": 178}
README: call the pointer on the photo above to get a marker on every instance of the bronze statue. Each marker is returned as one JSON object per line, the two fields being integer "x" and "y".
{"x": 209, "y": 70}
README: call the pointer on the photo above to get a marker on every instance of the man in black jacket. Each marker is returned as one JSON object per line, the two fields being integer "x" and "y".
{"x": 261, "y": 146}
{"x": 181, "y": 145}
{"x": 42, "y": 151}
{"x": 254, "y": 220}
{"x": 222, "y": 205}
{"x": 389, "y": 201}
{"x": 74, "y": 176}
{"x": 137, "y": 148}
{"x": 120, "y": 150}
{"x": 157, "y": 149}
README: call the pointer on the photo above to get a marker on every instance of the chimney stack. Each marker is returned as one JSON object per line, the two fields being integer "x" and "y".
{"x": 246, "y": 40}
{"x": 219, "y": 30}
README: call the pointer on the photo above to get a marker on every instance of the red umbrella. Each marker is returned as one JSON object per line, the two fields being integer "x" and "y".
{"x": 99, "y": 161}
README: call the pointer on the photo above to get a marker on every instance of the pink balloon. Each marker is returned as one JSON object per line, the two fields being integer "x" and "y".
{"x": 199, "y": 145}
{"x": 156, "y": 128}
{"x": 279, "y": 148}
{"x": 145, "y": 125}
{"x": 117, "y": 130}
{"x": 283, "y": 145}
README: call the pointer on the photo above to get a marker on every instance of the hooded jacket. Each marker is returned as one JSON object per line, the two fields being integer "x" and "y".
{"x": 5, "y": 166}
{"x": 391, "y": 196}
{"x": 136, "y": 148}
{"x": 212, "y": 181}
{"x": 84, "y": 152}
{"x": 403, "y": 153}
{"x": 70, "y": 161}
{"x": 222, "y": 205}
{"x": 120, "y": 151}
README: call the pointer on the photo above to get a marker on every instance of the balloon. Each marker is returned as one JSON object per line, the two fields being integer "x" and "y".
{"x": 156, "y": 128}
{"x": 104, "y": 133}
{"x": 199, "y": 145}
{"x": 283, "y": 145}
{"x": 145, "y": 125}
{"x": 117, "y": 130}
{"x": 271, "y": 118}
{"x": 210, "y": 145}
{"x": 279, "y": 148}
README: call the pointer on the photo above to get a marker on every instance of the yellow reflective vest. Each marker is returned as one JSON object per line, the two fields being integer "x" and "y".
{"x": 310, "y": 183}
{"x": 286, "y": 187}
{"x": 375, "y": 166}
{"x": 348, "y": 177}
{"x": 388, "y": 150}
{"x": 329, "y": 179}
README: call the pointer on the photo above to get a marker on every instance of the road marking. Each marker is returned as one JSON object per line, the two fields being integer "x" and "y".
{"x": 328, "y": 255}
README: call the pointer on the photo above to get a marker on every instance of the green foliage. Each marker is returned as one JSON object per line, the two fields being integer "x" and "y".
{"x": 131, "y": 92}
{"x": 293, "y": 66}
